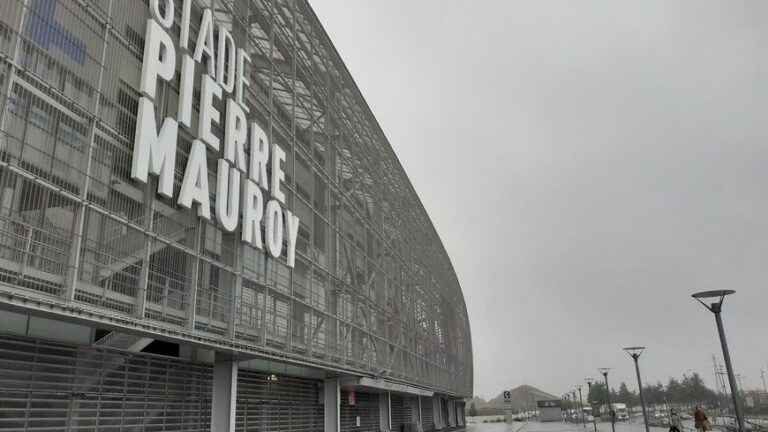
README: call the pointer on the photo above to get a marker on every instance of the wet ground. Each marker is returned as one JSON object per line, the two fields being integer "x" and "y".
{"x": 533, "y": 426}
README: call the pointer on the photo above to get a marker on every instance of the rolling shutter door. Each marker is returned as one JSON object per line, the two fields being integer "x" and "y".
{"x": 444, "y": 419}
{"x": 427, "y": 416}
{"x": 401, "y": 412}
{"x": 276, "y": 403}
{"x": 366, "y": 406}
{"x": 58, "y": 387}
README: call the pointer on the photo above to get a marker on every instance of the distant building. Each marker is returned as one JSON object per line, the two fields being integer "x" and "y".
{"x": 550, "y": 410}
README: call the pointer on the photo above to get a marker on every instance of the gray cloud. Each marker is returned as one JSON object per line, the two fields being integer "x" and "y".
{"x": 588, "y": 166}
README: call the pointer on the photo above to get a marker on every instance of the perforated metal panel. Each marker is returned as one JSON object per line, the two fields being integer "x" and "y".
{"x": 47, "y": 386}
{"x": 271, "y": 403}
{"x": 366, "y": 406}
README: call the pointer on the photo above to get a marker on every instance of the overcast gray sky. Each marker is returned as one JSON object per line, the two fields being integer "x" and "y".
{"x": 588, "y": 166}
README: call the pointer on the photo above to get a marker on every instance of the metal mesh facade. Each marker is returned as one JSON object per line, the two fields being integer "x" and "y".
{"x": 372, "y": 292}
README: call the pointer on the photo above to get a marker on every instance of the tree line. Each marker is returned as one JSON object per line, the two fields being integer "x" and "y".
{"x": 688, "y": 389}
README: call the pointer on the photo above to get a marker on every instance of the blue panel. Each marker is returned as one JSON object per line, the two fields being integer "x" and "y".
{"x": 43, "y": 29}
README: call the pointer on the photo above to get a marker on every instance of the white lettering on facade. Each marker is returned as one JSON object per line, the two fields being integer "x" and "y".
{"x": 242, "y": 174}
{"x": 273, "y": 228}
{"x": 253, "y": 211}
{"x": 278, "y": 175}
{"x": 154, "y": 153}
{"x": 194, "y": 186}
{"x": 159, "y": 58}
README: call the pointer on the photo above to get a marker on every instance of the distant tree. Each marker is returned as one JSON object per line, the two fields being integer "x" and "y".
{"x": 675, "y": 391}
{"x": 625, "y": 395}
{"x": 654, "y": 394}
{"x": 598, "y": 396}
{"x": 693, "y": 390}
{"x": 614, "y": 395}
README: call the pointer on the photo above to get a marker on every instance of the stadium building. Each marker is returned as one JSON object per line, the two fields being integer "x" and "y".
{"x": 203, "y": 227}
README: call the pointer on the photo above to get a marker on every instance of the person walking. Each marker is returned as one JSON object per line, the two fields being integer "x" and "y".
{"x": 700, "y": 420}
{"x": 675, "y": 424}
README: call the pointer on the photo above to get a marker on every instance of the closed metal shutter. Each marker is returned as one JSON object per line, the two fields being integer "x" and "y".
{"x": 445, "y": 413}
{"x": 47, "y": 386}
{"x": 427, "y": 415}
{"x": 276, "y": 403}
{"x": 366, "y": 406}
{"x": 401, "y": 412}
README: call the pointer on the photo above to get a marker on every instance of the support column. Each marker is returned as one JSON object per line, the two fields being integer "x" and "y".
{"x": 332, "y": 405}
{"x": 224, "y": 393}
{"x": 437, "y": 412}
{"x": 420, "y": 422}
{"x": 194, "y": 271}
{"x": 80, "y": 211}
{"x": 146, "y": 258}
{"x": 385, "y": 412}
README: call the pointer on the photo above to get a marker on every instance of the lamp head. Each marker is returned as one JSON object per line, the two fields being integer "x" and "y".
{"x": 715, "y": 306}
{"x": 712, "y": 294}
{"x": 634, "y": 351}
{"x": 604, "y": 371}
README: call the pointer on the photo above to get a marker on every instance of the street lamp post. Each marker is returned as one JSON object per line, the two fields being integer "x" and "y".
{"x": 635, "y": 352}
{"x": 611, "y": 414}
{"x": 581, "y": 408}
{"x": 576, "y": 404}
{"x": 716, "y": 307}
{"x": 589, "y": 381}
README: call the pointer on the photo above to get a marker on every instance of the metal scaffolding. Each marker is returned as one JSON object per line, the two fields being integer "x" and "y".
{"x": 373, "y": 291}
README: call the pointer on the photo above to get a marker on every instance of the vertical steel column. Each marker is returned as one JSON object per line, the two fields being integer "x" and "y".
{"x": 385, "y": 412}
{"x": 224, "y": 399}
{"x": 15, "y": 191}
{"x": 79, "y": 222}
{"x": 12, "y": 66}
{"x": 146, "y": 258}
{"x": 420, "y": 424}
{"x": 237, "y": 289}
{"x": 195, "y": 272}
{"x": 332, "y": 405}
{"x": 292, "y": 271}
